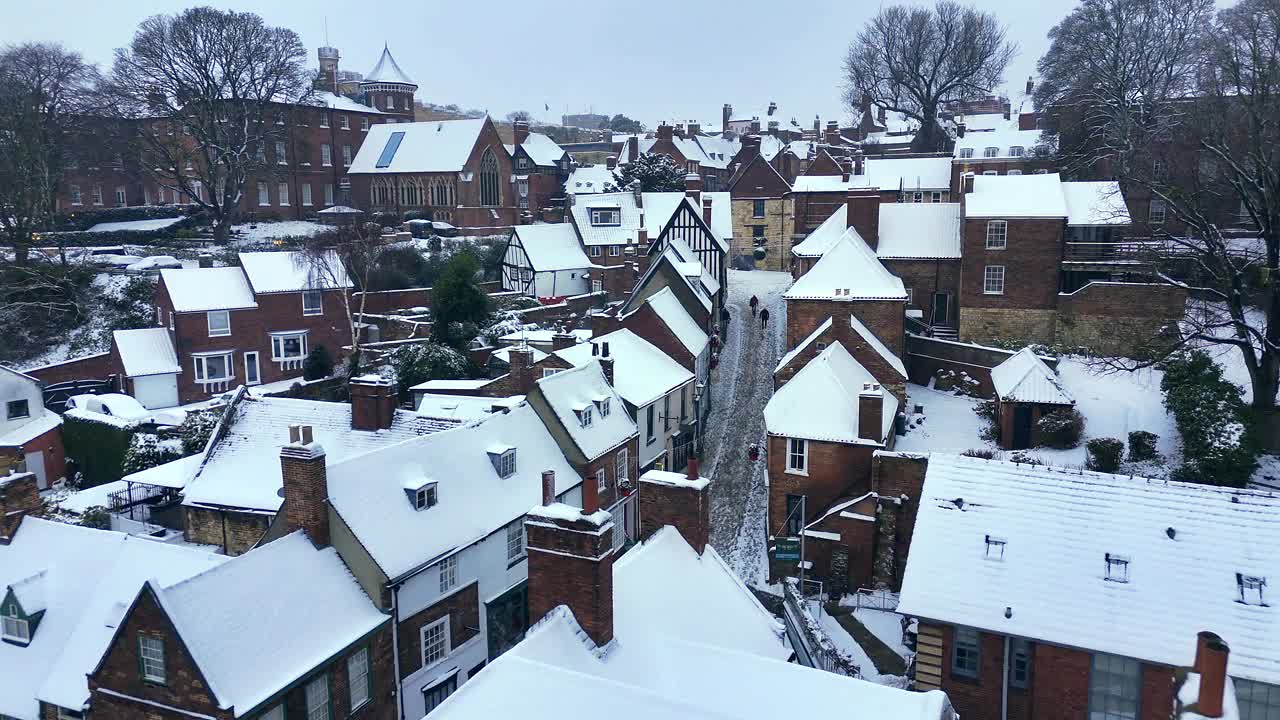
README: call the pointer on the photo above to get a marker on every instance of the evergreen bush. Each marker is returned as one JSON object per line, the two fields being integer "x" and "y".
{"x": 1142, "y": 446}
{"x": 1218, "y": 443}
{"x": 318, "y": 364}
{"x": 1104, "y": 454}
{"x": 1061, "y": 429}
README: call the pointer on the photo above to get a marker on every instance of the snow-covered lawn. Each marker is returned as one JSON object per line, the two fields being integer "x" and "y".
{"x": 885, "y": 625}
{"x": 156, "y": 224}
{"x": 259, "y": 232}
{"x": 1113, "y": 404}
{"x": 845, "y": 643}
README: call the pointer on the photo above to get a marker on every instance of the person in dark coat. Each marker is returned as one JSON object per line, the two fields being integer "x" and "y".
{"x": 764, "y": 318}
{"x": 754, "y": 302}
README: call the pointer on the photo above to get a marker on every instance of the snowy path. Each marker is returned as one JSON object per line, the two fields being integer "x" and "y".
{"x": 740, "y": 389}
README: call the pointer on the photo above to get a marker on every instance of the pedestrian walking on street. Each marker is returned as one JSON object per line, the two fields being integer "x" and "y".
{"x": 764, "y": 318}
{"x": 754, "y": 302}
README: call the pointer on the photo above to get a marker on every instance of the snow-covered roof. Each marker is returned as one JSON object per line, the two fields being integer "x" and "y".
{"x": 368, "y": 490}
{"x": 825, "y": 236}
{"x": 343, "y": 103}
{"x": 908, "y": 173}
{"x": 1016, "y": 196}
{"x": 552, "y": 246}
{"x": 152, "y": 224}
{"x": 89, "y": 578}
{"x": 848, "y": 271}
{"x": 821, "y": 401}
{"x": 1002, "y": 140}
{"x": 441, "y": 385}
{"x": 146, "y": 351}
{"x": 1095, "y": 203}
{"x": 677, "y": 319}
{"x": 44, "y": 421}
{"x": 431, "y": 146}
{"x": 504, "y": 354}
{"x": 722, "y": 631}
{"x": 657, "y": 208}
{"x": 1184, "y": 545}
{"x": 1025, "y": 378}
{"x": 570, "y": 392}
{"x": 273, "y": 272}
{"x": 919, "y": 230}
{"x": 173, "y": 474}
{"x": 641, "y": 372}
{"x": 832, "y": 183}
{"x": 308, "y": 608}
{"x": 242, "y": 470}
{"x": 589, "y": 179}
{"x": 202, "y": 289}
{"x": 387, "y": 71}
{"x": 863, "y": 331}
{"x": 462, "y": 408}
{"x": 541, "y": 336}
{"x": 984, "y": 122}
{"x": 542, "y": 149}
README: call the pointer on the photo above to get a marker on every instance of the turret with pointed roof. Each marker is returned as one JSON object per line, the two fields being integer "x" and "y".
{"x": 388, "y": 87}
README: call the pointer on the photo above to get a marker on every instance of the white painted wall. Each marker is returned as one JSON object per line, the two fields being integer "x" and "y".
{"x": 16, "y": 387}
{"x": 562, "y": 282}
{"x": 662, "y": 432}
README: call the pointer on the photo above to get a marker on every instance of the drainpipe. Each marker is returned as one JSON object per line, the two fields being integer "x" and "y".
{"x": 1004, "y": 682}
{"x": 395, "y": 646}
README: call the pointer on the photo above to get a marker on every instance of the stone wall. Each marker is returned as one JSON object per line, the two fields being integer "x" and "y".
{"x": 1025, "y": 325}
{"x": 235, "y": 532}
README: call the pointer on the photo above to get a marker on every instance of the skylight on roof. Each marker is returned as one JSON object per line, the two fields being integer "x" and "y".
{"x": 1250, "y": 588}
{"x": 1117, "y": 568}
{"x": 389, "y": 150}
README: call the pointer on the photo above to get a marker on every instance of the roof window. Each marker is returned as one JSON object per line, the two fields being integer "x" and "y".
{"x": 1250, "y": 588}
{"x": 1117, "y": 568}
{"x": 995, "y": 548}
{"x": 606, "y": 217}
{"x": 389, "y": 150}
{"x": 421, "y": 495}
{"x": 503, "y": 459}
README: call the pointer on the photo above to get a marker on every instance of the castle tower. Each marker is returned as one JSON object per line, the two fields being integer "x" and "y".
{"x": 388, "y": 88}
{"x": 328, "y": 79}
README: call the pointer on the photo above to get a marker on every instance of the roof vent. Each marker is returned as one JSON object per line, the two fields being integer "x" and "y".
{"x": 995, "y": 548}
{"x": 959, "y": 503}
{"x": 1117, "y": 568}
{"x": 1250, "y": 588}
{"x": 1172, "y": 533}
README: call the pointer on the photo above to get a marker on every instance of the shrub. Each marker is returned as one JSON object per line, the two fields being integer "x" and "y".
{"x": 318, "y": 364}
{"x": 984, "y": 453}
{"x": 147, "y": 451}
{"x": 1142, "y": 446}
{"x": 196, "y": 429}
{"x": 1104, "y": 454}
{"x": 986, "y": 410}
{"x": 421, "y": 362}
{"x": 1218, "y": 444}
{"x": 1061, "y": 429}
{"x": 98, "y": 443}
{"x": 1024, "y": 459}
{"x": 96, "y": 517}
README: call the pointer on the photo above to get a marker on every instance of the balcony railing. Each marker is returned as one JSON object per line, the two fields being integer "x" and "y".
{"x": 1128, "y": 251}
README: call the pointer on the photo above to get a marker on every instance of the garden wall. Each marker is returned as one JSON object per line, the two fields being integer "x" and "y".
{"x": 926, "y": 356}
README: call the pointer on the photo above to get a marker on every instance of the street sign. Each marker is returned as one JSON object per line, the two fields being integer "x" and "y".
{"x": 786, "y": 549}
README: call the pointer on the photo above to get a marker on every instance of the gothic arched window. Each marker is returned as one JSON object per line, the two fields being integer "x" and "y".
{"x": 489, "y": 194}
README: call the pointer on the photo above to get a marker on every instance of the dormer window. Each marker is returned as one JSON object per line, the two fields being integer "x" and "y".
{"x": 966, "y": 152}
{"x": 995, "y": 548}
{"x": 421, "y": 494}
{"x": 503, "y": 458}
{"x": 1250, "y": 588}
{"x": 1117, "y": 568}
{"x": 603, "y": 406}
{"x": 990, "y": 152}
{"x": 13, "y": 625}
{"x": 609, "y": 217}
{"x": 585, "y": 416}
{"x": 1016, "y": 151}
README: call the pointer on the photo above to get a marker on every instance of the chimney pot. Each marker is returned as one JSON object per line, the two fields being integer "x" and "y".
{"x": 706, "y": 210}
{"x": 871, "y": 413}
{"x": 548, "y": 487}
{"x": 1211, "y": 664}
{"x": 611, "y": 162}
{"x": 305, "y": 485}
{"x": 373, "y": 403}
{"x": 691, "y": 471}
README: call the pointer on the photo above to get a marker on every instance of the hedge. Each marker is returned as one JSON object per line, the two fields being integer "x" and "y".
{"x": 1218, "y": 443}
{"x": 81, "y": 238}
{"x": 85, "y": 219}
{"x": 97, "y": 446}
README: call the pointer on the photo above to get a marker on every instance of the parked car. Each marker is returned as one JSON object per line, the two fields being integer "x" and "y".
{"x": 154, "y": 262}
{"x": 126, "y": 408}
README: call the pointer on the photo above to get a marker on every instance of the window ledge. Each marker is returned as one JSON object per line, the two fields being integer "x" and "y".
{"x": 802, "y": 473}
{"x": 989, "y": 292}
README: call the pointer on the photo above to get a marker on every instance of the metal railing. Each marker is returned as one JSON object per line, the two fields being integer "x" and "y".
{"x": 1128, "y": 251}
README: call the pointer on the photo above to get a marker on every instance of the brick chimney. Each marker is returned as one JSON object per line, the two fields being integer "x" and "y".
{"x": 600, "y": 351}
{"x": 611, "y": 162}
{"x": 642, "y": 238}
{"x": 706, "y": 210}
{"x": 306, "y": 485}
{"x": 845, "y": 172}
{"x": 832, "y": 133}
{"x": 726, "y": 112}
{"x": 960, "y": 130}
{"x": 563, "y": 339}
{"x": 665, "y": 131}
{"x": 881, "y": 116}
{"x": 638, "y": 194}
{"x": 520, "y": 129}
{"x": 571, "y": 562}
{"x": 604, "y": 322}
{"x": 1211, "y": 664}
{"x": 871, "y": 412}
{"x": 19, "y": 497}
{"x": 681, "y": 501}
{"x": 204, "y": 260}
{"x": 859, "y": 164}
{"x": 694, "y": 128}
{"x": 863, "y": 214}
{"x": 693, "y": 187}
{"x": 373, "y": 403}
{"x": 1031, "y": 84}
{"x": 521, "y": 369}
{"x": 633, "y": 148}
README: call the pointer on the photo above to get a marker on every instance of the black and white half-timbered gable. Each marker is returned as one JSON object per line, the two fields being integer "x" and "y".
{"x": 546, "y": 260}
{"x": 689, "y": 226}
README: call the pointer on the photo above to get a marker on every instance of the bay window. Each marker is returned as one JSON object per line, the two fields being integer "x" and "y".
{"x": 288, "y": 346}
{"x": 213, "y": 367}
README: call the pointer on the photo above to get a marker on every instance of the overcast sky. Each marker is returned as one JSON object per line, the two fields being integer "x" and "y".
{"x": 650, "y": 60}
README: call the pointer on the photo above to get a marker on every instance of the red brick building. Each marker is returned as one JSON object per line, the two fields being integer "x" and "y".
{"x": 1043, "y": 593}
{"x": 541, "y": 168}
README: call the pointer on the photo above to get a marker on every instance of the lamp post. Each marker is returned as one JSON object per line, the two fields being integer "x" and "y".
{"x": 697, "y": 417}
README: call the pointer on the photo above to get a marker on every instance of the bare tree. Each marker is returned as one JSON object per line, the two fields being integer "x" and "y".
{"x": 214, "y": 90}
{"x": 913, "y": 60}
{"x": 1183, "y": 107}
{"x": 46, "y": 94}
{"x": 519, "y": 116}
{"x": 339, "y": 259}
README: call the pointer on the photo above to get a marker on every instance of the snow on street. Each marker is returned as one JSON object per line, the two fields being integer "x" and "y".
{"x": 741, "y": 387}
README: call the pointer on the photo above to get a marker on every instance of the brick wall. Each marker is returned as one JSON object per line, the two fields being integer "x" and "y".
{"x": 576, "y": 305}
{"x": 609, "y": 463}
{"x": 684, "y": 508}
{"x": 576, "y": 570}
{"x": 845, "y": 565}
{"x": 1115, "y": 317}
{"x": 90, "y": 367}
{"x": 926, "y": 356}
{"x": 235, "y": 532}
{"x": 835, "y": 470}
{"x": 647, "y": 324}
{"x": 897, "y": 476}
{"x": 923, "y": 278}
{"x": 19, "y": 496}
{"x": 1032, "y": 259}
{"x": 885, "y": 318}
{"x": 463, "y": 609}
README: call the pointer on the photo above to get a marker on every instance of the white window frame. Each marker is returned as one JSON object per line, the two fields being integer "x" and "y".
{"x": 326, "y": 155}
{"x": 317, "y": 697}
{"x": 604, "y": 406}
{"x": 1016, "y": 151}
{"x": 602, "y": 480}
{"x": 515, "y": 540}
{"x": 622, "y": 466}
{"x": 599, "y": 215}
{"x": 201, "y": 366}
{"x": 506, "y": 463}
{"x": 282, "y": 157}
{"x": 76, "y": 198}
{"x": 318, "y": 307}
{"x": 966, "y": 153}
{"x": 278, "y": 342}
{"x": 346, "y": 156}
{"x": 257, "y": 368}
{"x": 615, "y": 250}
{"x": 122, "y": 195}
{"x": 324, "y": 119}
{"x": 758, "y": 204}
{"x": 358, "y": 667}
{"x": 13, "y": 627}
{"x": 548, "y": 372}
{"x": 364, "y": 124}
{"x": 446, "y": 645}
{"x": 595, "y": 251}
{"x": 425, "y": 497}
{"x": 997, "y": 234}
{"x": 990, "y": 152}
{"x": 344, "y": 122}
{"x": 586, "y": 417}
{"x": 797, "y": 459}
{"x": 991, "y": 276}
{"x": 264, "y": 195}
{"x": 306, "y": 194}
{"x": 225, "y": 329}
{"x": 151, "y": 660}
{"x": 328, "y": 194}
{"x": 448, "y": 569}
{"x": 1013, "y": 171}
{"x": 97, "y": 194}
{"x": 1157, "y": 212}
{"x": 282, "y": 191}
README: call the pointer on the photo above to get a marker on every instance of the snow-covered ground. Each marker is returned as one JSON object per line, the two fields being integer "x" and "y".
{"x": 1113, "y": 404}
{"x": 156, "y": 224}
{"x": 845, "y": 643}
{"x": 263, "y": 231}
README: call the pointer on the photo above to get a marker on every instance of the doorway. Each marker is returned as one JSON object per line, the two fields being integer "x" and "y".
{"x": 941, "y": 308}
{"x": 1021, "y": 427}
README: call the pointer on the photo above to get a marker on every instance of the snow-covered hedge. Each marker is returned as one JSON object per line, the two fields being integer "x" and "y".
{"x": 98, "y": 444}
{"x": 1218, "y": 444}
